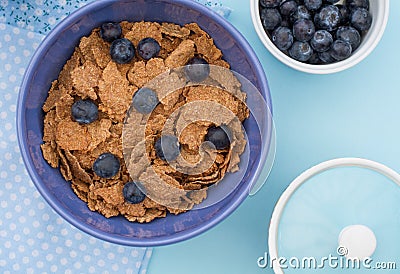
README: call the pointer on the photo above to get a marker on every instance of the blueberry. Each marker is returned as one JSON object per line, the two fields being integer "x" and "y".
{"x": 300, "y": 13}
{"x": 270, "y": 3}
{"x": 301, "y": 51}
{"x": 340, "y": 50}
{"x": 110, "y": 31}
{"x": 132, "y": 193}
{"x": 282, "y": 37}
{"x": 167, "y": 147}
{"x": 84, "y": 111}
{"x": 326, "y": 57}
{"x": 350, "y": 35}
{"x": 219, "y": 136}
{"x": 314, "y": 59}
{"x": 361, "y": 19}
{"x": 286, "y": 8}
{"x": 145, "y": 100}
{"x": 354, "y": 4}
{"x": 321, "y": 41}
{"x": 197, "y": 69}
{"x": 271, "y": 18}
{"x": 328, "y": 18}
{"x": 106, "y": 165}
{"x": 344, "y": 14}
{"x": 331, "y": 1}
{"x": 303, "y": 30}
{"x": 122, "y": 51}
{"x": 313, "y": 4}
{"x": 148, "y": 48}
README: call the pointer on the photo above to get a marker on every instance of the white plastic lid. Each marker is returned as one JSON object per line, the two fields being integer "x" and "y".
{"x": 340, "y": 216}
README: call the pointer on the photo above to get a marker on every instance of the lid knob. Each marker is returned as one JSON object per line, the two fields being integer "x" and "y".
{"x": 357, "y": 242}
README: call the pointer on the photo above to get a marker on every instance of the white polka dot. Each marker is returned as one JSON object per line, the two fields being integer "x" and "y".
{"x": 35, "y": 45}
{"x": 35, "y": 253}
{"x": 21, "y": 71}
{"x": 22, "y": 219}
{"x": 30, "y": 35}
{"x": 41, "y": 205}
{"x": 82, "y": 247}
{"x": 3, "y": 56}
{"x": 64, "y": 232}
{"x": 17, "y": 237}
{"x": 3, "y": 263}
{"x": 92, "y": 240}
{"x": 17, "y": 178}
{"x": 8, "y": 155}
{"x": 101, "y": 263}
{"x": 18, "y": 208}
{"x": 45, "y": 217}
{"x": 7, "y": 38}
{"x": 30, "y": 242}
{"x": 17, "y": 60}
{"x": 12, "y": 49}
{"x": 59, "y": 250}
{"x": 21, "y": 249}
{"x": 27, "y": 201}
{"x": 3, "y": 175}
{"x": 40, "y": 264}
{"x": 3, "y": 115}
{"x": 3, "y": 204}
{"x": 45, "y": 246}
{"x": 73, "y": 254}
{"x": 63, "y": 261}
{"x": 8, "y": 126}
{"x": 78, "y": 236}
{"x": 134, "y": 253}
{"x": 7, "y": 67}
{"x": 54, "y": 239}
{"x": 124, "y": 260}
{"x": 3, "y": 234}
{"x": 16, "y": 30}
{"x": 77, "y": 265}
{"x": 115, "y": 267}
{"x": 36, "y": 224}
{"x": 13, "y": 107}
{"x": 8, "y": 215}
{"x": 11, "y": 255}
{"x": 53, "y": 268}
{"x": 138, "y": 264}
{"x": 49, "y": 257}
{"x": 13, "y": 197}
{"x": 26, "y": 231}
{"x": 12, "y": 226}
{"x": 92, "y": 269}
{"x": 111, "y": 256}
{"x": 86, "y": 258}
{"x": 12, "y": 78}
{"x": 68, "y": 243}
{"x": 21, "y": 42}
{"x": 13, "y": 167}
{"x": 22, "y": 190}
{"x": 16, "y": 267}
{"x": 25, "y": 260}
{"x": 121, "y": 249}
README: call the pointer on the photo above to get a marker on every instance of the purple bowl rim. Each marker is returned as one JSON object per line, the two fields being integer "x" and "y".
{"x": 21, "y": 129}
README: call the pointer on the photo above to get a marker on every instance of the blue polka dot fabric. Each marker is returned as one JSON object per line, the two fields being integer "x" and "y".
{"x": 33, "y": 238}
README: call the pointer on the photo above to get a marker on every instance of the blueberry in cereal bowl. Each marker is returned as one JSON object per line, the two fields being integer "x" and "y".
{"x": 122, "y": 143}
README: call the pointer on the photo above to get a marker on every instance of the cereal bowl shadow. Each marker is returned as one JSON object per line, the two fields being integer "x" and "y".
{"x": 45, "y": 66}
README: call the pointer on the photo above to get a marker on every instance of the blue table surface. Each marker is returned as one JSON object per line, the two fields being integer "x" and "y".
{"x": 353, "y": 113}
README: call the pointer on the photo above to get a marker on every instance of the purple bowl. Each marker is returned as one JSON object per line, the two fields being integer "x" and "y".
{"x": 45, "y": 66}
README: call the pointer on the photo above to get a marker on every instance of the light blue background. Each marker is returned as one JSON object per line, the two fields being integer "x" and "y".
{"x": 354, "y": 113}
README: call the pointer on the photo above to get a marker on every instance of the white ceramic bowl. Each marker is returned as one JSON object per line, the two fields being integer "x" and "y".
{"x": 380, "y": 13}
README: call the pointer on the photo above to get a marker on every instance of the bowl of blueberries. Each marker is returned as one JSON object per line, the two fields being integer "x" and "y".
{"x": 320, "y": 36}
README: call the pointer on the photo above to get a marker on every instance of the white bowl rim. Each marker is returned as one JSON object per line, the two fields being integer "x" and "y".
{"x": 362, "y": 52}
{"x": 304, "y": 177}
